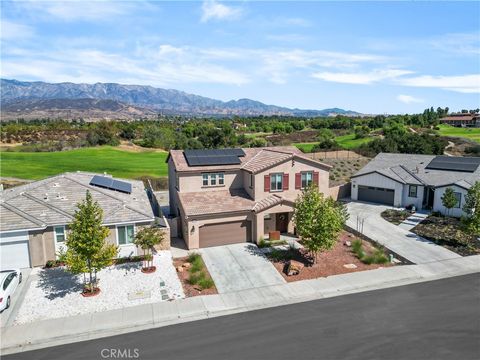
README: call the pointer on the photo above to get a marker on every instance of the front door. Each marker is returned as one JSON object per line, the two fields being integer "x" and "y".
{"x": 282, "y": 222}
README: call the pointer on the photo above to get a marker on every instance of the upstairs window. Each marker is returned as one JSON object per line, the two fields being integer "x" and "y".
{"x": 276, "y": 182}
{"x": 213, "y": 179}
{"x": 412, "y": 191}
{"x": 307, "y": 179}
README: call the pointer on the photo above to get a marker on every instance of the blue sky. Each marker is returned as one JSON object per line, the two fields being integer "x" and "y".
{"x": 378, "y": 57}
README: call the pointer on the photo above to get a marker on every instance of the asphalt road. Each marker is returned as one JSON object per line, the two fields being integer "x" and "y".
{"x": 433, "y": 320}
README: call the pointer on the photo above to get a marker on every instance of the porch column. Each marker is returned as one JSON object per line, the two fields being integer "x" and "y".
{"x": 290, "y": 227}
{"x": 259, "y": 227}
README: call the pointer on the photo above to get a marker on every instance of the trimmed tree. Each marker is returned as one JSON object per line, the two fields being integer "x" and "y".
{"x": 147, "y": 238}
{"x": 318, "y": 220}
{"x": 87, "y": 250}
{"x": 449, "y": 200}
{"x": 472, "y": 209}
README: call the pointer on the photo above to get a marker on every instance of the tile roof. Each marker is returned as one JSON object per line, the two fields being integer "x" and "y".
{"x": 411, "y": 169}
{"x": 267, "y": 203}
{"x": 215, "y": 202}
{"x": 53, "y": 201}
{"x": 255, "y": 159}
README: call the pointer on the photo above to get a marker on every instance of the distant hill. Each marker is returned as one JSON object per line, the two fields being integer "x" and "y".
{"x": 21, "y": 98}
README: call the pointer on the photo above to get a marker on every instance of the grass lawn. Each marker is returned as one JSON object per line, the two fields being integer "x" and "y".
{"x": 347, "y": 142}
{"x": 119, "y": 163}
{"x": 468, "y": 133}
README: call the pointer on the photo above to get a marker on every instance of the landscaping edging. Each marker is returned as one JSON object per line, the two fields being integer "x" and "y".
{"x": 404, "y": 260}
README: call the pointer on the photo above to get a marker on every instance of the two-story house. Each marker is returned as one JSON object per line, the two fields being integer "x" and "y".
{"x": 238, "y": 195}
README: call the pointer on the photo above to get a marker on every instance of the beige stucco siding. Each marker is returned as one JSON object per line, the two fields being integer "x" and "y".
{"x": 192, "y": 182}
{"x": 41, "y": 246}
{"x": 291, "y": 167}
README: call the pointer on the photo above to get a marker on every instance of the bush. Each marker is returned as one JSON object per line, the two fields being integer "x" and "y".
{"x": 198, "y": 275}
{"x": 377, "y": 257}
{"x": 263, "y": 244}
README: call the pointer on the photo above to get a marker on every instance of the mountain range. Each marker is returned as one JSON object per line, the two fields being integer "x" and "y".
{"x": 22, "y": 99}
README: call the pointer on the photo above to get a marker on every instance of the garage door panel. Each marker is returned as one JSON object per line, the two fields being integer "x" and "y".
{"x": 14, "y": 254}
{"x": 376, "y": 195}
{"x": 225, "y": 233}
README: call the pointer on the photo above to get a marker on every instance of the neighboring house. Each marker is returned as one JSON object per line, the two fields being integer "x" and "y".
{"x": 237, "y": 195}
{"x": 461, "y": 120}
{"x": 404, "y": 179}
{"x": 35, "y": 217}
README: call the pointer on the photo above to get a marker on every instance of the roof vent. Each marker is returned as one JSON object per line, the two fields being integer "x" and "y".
{"x": 45, "y": 197}
{"x": 56, "y": 184}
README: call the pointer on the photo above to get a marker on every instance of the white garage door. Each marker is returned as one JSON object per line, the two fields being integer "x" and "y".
{"x": 14, "y": 251}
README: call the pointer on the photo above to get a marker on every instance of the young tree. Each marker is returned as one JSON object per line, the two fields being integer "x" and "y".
{"x": 87, "y": 250}
{"x": 318, "y": 220}
{"x": 449, "y": 200}
{"x": 472, "y": 209}
{"x": 147, "y": 238}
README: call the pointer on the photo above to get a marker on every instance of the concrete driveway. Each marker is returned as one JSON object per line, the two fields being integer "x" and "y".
{"x": 405, "y": 243}
{"x": 8, "y": 315}
{"x": 239, "y": 267}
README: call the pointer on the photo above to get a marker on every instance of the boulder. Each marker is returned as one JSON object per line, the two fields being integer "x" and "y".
{"x": 179, "y": 269}
{"x": 294, "y": 267}
{"x": 187, "y": 265}
{"x": 348, "y": 243}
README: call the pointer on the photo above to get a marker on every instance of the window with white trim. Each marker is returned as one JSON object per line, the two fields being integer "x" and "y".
{"x": 307, "y": 179}
{"x": 59, "y": 234}
{"x": 276, "y": 182}
{"x": 213, "y": 179}
{"x": 125, "y": 234}
{"x": 459, "y": 199}
{"x": 412, "y": 191}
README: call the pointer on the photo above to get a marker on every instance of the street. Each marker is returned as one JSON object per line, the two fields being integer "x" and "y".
{"x": 432, "y": 320}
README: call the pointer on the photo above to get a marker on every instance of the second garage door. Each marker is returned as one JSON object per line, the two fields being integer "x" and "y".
{"x": 376, "y": 195}
{"x": 225, "y": 233}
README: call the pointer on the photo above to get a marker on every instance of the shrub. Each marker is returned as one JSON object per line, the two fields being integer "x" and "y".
{"x": 206, "y": 283}
{"x": 263, "y": 244}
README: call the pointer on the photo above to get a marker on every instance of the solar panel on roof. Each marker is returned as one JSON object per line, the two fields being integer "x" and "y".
{"x": 111, "y": 184}
{"x": 464, "y": 164}
{"x": 210, "y": 157}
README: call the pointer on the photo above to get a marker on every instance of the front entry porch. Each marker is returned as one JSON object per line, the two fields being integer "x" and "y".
{"x": 280, "y": 223}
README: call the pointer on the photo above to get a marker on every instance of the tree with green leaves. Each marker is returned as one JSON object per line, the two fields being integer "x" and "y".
{"x": 472, "y": 209}
{"x": 87, "y": 250}
{"x": 318, "y": 220}
{"x": 449, "y": 200}
{"x": 147, "y": 238}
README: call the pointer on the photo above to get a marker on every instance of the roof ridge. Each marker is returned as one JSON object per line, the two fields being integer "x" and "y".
{"x": 391, "y": 169}
{"x": 253, "y": 157}
{"x": 411, "y": 173}
{"x": 44, "y": 203}
{"x": 23, "y": 214}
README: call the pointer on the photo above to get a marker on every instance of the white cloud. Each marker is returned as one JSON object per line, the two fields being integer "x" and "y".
{"x": 213, "y": 10}
{"x": 408, "y": 99}
{"x": 361, "y": 78}
{"x": 461, "y": 83}
{"x": 14, "y": 31}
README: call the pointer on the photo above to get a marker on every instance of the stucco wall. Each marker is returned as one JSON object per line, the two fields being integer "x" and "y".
{"x": 377, "y": 180}
{"x": 438, "y": 205}
{"x": 290, "y": 167}
{"x": 172, "y": 191}
{"x": 192, "y": 182}
{"x": 41, "y": 246}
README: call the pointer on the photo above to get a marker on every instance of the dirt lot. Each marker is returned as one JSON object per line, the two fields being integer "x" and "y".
{"x": 343, "y": 169}
{"x": 330, "y": 262}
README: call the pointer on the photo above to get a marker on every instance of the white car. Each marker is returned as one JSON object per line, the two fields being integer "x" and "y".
{"x": 9, "y": 280}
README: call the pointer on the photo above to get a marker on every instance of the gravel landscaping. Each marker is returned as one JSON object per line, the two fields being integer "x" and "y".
{"x": 55, "y": 293}
{"x": 339, "y": 260}
{"x": 448, "y": 232}
{"x": 395, "y": 216}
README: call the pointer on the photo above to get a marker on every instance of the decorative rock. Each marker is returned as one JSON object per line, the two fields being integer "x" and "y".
{"x": 187, "y": 265}
{"x": 196, "y": 287}
{"x": 348, "y": 243}
{"x": 179, "y": 269}
{"x": 294, "y": 267}
{"x": 350, "y": 266}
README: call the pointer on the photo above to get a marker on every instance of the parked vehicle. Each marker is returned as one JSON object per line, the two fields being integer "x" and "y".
{"x": 9, "y": 280}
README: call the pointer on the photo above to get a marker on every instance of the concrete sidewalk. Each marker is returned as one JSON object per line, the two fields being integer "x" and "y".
{"x": 78, "y": 328}
{"x": 413, "y": 220}
{"x": 403, "y": 242}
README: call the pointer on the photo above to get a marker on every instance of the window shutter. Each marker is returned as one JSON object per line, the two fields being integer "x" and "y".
{"x": 298, "y": 181}
{"x": 285, "y": 182}
{"x": 266, "y": 185}
{"x": 315, "y": 178}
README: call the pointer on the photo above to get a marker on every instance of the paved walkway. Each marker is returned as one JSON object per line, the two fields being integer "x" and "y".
{"x": 413, "y": 220}
{"x": 54, "y": 332}
{"x": 239, "y": 267}
{"x": 403, "y": 242}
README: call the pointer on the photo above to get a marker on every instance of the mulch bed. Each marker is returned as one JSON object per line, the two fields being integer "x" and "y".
{"x": 447, "y": 232}
{"x": 188, "y": 289}
{"x": 330, "y": 262}
{"x": 395, "y": 216}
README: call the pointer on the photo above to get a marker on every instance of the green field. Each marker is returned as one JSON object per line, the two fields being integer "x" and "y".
{"x": 345, "y": 141}
{"x": 119, "y": 163}
{"x": 468, "y": 133}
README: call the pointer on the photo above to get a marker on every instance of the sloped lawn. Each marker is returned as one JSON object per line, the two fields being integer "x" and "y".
{"x": 448, "y": 232}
